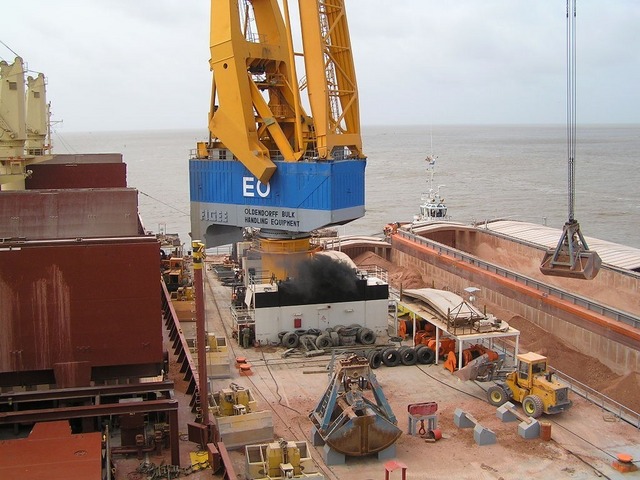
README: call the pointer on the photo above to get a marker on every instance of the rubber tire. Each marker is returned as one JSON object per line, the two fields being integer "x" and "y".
{"x": 335, "y": 339}
{"x": 390, "y": 357}
{"x": 425, "y": 355}
{"x": 375, "y": 358}
{"x": 324, "y": 341}
{"x": 290, "y": 340}
{"x": 348, "y": 332}
{"x": 532, "y": 406}
{"x": 497, "y": 396}
{"x": 366, "y": 336}
{"x": 409, "y": 357}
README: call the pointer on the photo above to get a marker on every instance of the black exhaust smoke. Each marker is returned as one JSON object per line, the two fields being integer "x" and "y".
{"x": 322, "y": 279}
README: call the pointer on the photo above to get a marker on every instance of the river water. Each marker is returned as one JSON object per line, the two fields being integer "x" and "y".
{"x": 487, "y": 172}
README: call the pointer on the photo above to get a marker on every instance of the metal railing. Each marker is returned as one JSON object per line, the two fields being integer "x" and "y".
{"x": 547, "y": 289}
{"x": 180, "y": 347}
{"x": 375, "y": 271}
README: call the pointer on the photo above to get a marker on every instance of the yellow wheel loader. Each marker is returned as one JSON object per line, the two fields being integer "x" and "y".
{"x": 532, "y": 385}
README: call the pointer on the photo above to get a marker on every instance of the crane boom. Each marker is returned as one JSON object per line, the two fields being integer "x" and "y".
{"x": 331, "y": 79}
{"x": 244, "y": 64}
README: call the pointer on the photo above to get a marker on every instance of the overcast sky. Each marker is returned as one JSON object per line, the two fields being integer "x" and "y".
{"x": 142, "y": 64}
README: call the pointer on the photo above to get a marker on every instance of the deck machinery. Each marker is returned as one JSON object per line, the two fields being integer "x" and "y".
{"x": 350, "y": 423}
{"x": 24, "y": 124}
{"x": 268, "y": 165}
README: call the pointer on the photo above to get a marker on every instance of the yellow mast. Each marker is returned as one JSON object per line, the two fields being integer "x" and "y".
{"x": 247, "y": 67}
{"x": 331, "y": 78}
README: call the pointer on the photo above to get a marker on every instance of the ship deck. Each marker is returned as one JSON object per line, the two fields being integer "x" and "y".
{"x": 585, "y": 440}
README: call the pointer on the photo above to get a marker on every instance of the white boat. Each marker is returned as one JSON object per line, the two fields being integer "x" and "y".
{"x": 432, "y": 206}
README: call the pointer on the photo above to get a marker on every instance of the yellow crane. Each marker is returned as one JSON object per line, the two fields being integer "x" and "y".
{"x": 24, "y": 124}
{"x": 256, "y": 109}
{"x": 269, "y": 164}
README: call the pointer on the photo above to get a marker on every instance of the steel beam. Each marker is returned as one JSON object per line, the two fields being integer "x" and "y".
{"x": 86, "y": 392}
{"x": 50, "y": 414}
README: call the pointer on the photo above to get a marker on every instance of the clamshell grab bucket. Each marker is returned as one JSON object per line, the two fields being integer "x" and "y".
{"x": 572, "y": 257}
{"x": 586, "y": 265}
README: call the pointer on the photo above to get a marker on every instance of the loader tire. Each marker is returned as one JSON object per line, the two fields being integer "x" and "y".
{"x": 497, "y": 396}
{"x": 366, "y": 336}
{"x": 532, "y": 406}
{"x": 375, "y": 358}
{"x": 324, "y": 341}
{"x": 409, "y": 356}
{"x": 425, "y": 355}
{"x": 290, "y": 340}
{"x": 390, "y": 357}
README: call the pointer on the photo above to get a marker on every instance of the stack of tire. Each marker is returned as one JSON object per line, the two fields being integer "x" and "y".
{"x": 337, "y": 336}
{"x": 393, "y": 356}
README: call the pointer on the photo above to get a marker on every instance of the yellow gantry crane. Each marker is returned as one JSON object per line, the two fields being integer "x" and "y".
{"x": 278, "y": 162}
{"x": 24, "y": 124}
{"x": 256, "y": 109}
{"x": 331, "y": 76}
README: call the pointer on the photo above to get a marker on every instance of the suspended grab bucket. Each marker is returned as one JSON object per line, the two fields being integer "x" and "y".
{"x": 586, "y": 265}
{"x": 572, "y": 257}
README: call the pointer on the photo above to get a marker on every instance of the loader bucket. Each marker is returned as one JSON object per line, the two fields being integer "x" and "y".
{"x": 585, "y": 266}
{"x": 470, "y": 370}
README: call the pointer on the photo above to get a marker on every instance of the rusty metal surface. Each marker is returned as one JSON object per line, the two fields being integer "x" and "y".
{"x": 90, "y": 301}
{"x": 84, "y": 411}
{"x": 91, "y": 175}
{"x": 52, "y": 452}
{"x": 363, "y": 435}
{"x": 83, "y": 158}
{"x": 181, "y": 349}
{"x": 72, "y": 374}
{"x": 168, "y": 406}
{"x": 229, "y": 471}
{"x": 80, "y": 213}
{"x": 96, "y": 394}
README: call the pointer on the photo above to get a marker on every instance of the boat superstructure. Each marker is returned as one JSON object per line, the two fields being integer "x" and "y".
{"x": 432, "y": 206}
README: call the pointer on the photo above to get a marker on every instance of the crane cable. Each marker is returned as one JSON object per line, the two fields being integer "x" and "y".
{"x": 571, "y": 102}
